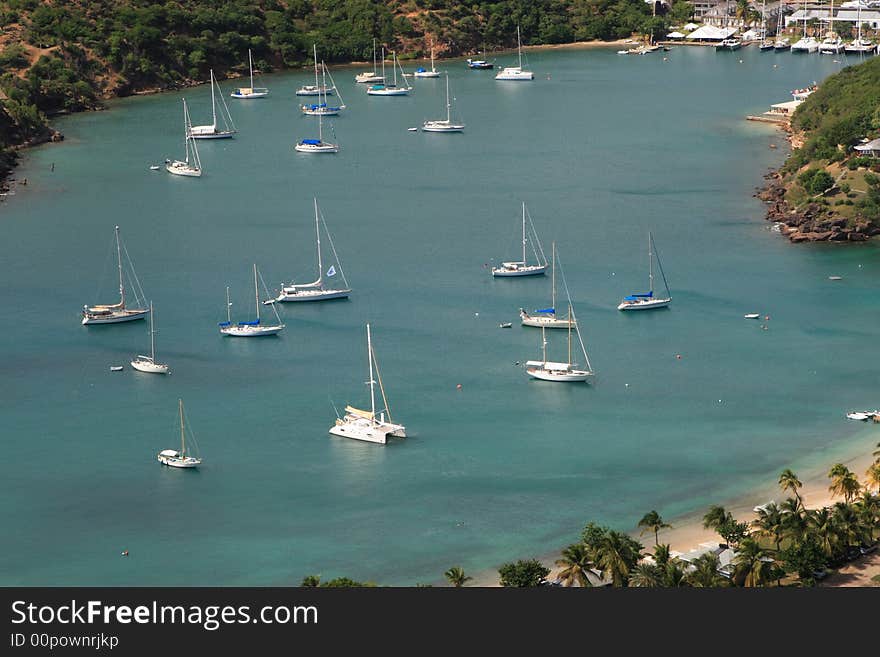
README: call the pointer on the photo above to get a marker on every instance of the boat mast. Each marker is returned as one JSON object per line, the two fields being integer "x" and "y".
{"x": 448, "y": 106}
{"x": 394, "y": 66}
{"x": 569, "y": 334}
{"x": 650, "y": 266}
{"x": 544, "y": 345}
{"x": 553, "y": 274}
{"x": 315, "y": 53}
{"x": 763, "y": 21}
{"x": 383, "y": 64}
{"x": 524, "y": 232}
{"x": 831, "y": 19}
{"x": 372, "y": 383}
{"x": 186, "y": 134}
{"x": 152, "y": 336}
{"x": 318, "y": 239}
{"x": 228, "y": 307}
{"x": 519, "y": 46}
{"x": 374, "y": 57}
{"x": 251, "y": 69}
{"x": 859, "y": 21}
{"x": 432, "y": 63}
{"x": 121, "y": 282}
{"x": 182, "y": 433}
{"x": 805, "y": 19}
{"x": 213, "y": 105}
{"x": 256, "y": 293}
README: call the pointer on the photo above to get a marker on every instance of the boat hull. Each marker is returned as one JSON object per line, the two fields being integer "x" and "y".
{"x": 441, "y": 126}
{"x": 324, "y": 147}
{"x": 148, "y": 366}
{"x": 178, "y": 462}
{"x": 221, "y": 134}
{"x": 566, "y": 376}
{"x": 427, "y": 74}
{"x": 368, "y": 78}
{"x": 315, "y": 91}
{"x": 515, "y": 76}
{"x": 251, "y": 331}
{"x": 312, "y": 295}
{"x": 179, "y": 168}
{"x": 648, "y": 304}
{"x": 323, "y": 111}
{"x": 90, "y": 319}
{"x": 388, "y": 92}
{"x": 250, "y": 96}
{"x": 533, "y": 270}
{"x": 548, "y": 321}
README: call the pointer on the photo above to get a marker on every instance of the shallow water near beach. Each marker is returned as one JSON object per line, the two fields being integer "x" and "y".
{"x": 601, "y": 147}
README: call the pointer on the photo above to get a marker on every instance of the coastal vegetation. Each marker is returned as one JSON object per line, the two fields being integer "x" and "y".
{"x": 827, "y": 190}
{"x": 59, "y": 57}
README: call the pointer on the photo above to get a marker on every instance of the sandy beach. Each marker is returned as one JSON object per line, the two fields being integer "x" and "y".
{"x": 687, "y": 532}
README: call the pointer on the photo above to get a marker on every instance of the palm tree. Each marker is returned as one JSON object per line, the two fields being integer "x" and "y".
{"x": 846, "y": 524}
{"x": 705, "y": 573}
{"x": 716, "y": 517}
{"x": 867, "y": 510}
{"x": 873, "y": 475}
{"x": 576, "y": 561}
{"x": 646, "y": 575}
{"x": 794, "y": 519}
{"x": 753, "y": 566}
{"x": 661, "y": 554}
{"x": 653, "y": 522}
{"x": 823, "y": 529}
{"x": 788, "y": 481}
{"x": 456, "y": 576}
{"x": 311, "y": 581}
{"x": 617, "y": 554}
{"x": 769, "y": 523}
{"x": 843, "y": 482}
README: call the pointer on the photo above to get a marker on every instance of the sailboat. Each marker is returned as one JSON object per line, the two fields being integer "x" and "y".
{"x": 515, "y": 72}
{"x": 315, "y": 89}
{"x": 832, "y": 44}
{"x": 252, "y": 329}
{"x": 765, "y": 44}
{"x": 211, "y": 131}
{"x": 117, "y": 312}
{"x": 316, "y": 290}
{"x": 522, "y": 267}
{"x": 148, "y": 363}
{"x": 317, "y": 145}
{"x": 441, "y": 125}
{"x": 365, "y": 425}
{"x": 781, "y": 44}
{"x": 186, "y": 168}
{"x": 806, "y": 43}
{"x": 392, "y": 89}
{"x": 433, "y": 73}
{"x": 370, "y": 77}
{"x": 322, "y": 108}
{"x": 648, "y": 301}
{"x": 546, "y": 317}
{"x": 251, "y": 91}
{"x": 179, "y": 459}
{"x": 859, "y": 46}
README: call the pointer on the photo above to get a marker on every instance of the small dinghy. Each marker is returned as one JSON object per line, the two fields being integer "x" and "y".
{"x": 505, "y": 325}
{"x": 116, "y": 368}
{"x": 412, "y": 129}
{"x": 155, "y": 167}
{"x": 835, "y": 278}
{"x": 857, "y": 415}
{"x": 752, "y": 315}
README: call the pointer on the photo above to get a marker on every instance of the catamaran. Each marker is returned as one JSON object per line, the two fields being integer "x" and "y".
{"x": 648, "y": 301}
{"x": 522, "y": 267}
{"x": 383, "y": 89}
{"x": 515, "y": 72}
{"x": 546, "y": 317}
{"x": 118, "y": 312}
{"x": 806, "y": 43}
{"x": 859, "y": 46}
{"x": 186, "y": 168}
{"x": 447, "y": 125}
{"x": 365, "y": 425}
{"x": 420, "y": 72}
{"x": 251, "y": 91}
{"x": 370, "y": 77}
{"x": 316, "y": 290}
{"x": 317, "y": 145}
{"x": 251, "y": 329}
{"x": 211, "y": 131}
{"x": 148, "y": 364}
{"x": 832, "y": 44}
{"x": 179, "y": 459}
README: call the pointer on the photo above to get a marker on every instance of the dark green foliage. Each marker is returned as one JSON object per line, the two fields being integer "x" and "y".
{"x": 856, "y": 162}
{"x": 869, "y": 204}
{"x": 13, "y": 57}
{"x": 523, "y": 573}
{"x": 816, "y": 181}
{"x": 803, "y": 558}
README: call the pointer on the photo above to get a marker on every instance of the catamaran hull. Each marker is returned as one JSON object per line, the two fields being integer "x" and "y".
{"x": 644, "y": 305}
{"x": 318, "y": 295}
{"x": 525, "y": 271}
{"x": 378, "y": 436}
{"x": 574, "y": 376}
{"x": 89, "y": 320}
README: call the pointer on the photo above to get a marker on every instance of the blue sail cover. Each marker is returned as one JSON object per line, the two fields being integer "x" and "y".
{"x": 420, "y": 70}
{"x": 313, "y": 142}
{"x": 548, "y": 311}
{"x": 253, "y": 323}
{"x": 224, "y": 323}
{"x": 636, "y": 297}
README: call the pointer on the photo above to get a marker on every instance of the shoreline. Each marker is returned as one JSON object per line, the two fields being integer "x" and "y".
{"x": 687, "y": 530}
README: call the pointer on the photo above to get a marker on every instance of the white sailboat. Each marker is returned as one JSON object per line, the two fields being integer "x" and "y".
{"x": 175, "y": 458}
{"x": 250, "y": 92}
{"x": 148, "y": 364}
{"x": 316, "y": 145}
{"x": 316, "y": 290}
{"x": 118, "y": 312}
{"x": 446, "y": 125}
{"x": 781, "y": 43}
{"x": 370, "y": 77}
{"x": 515, "y": 72}
{"x": 806, "y": 43}
{"x": 315, "y": 89}
{"x": 832, "y": 44}
{"x": 766, "y": 44}
{"x": 648, "y": 301}
{"x": 366, "y": 425}
{"x": 384, "y": 89}
{"x": 433, "y": 73}
{"x": 211, "y": 131}
{"x": 859, "y": 46}
{"x": 546, "y": 317}
{"x": 252, "y": 329}
{"x": 522, "y": 267}
{"x": 322, "y": 107}
{"x": 185, "y": 167}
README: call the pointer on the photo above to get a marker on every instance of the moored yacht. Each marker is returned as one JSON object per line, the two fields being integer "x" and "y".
{"x": 516, "y": 73}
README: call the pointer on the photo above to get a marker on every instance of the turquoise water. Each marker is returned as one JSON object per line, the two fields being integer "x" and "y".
{"x": 601, "y": 147}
